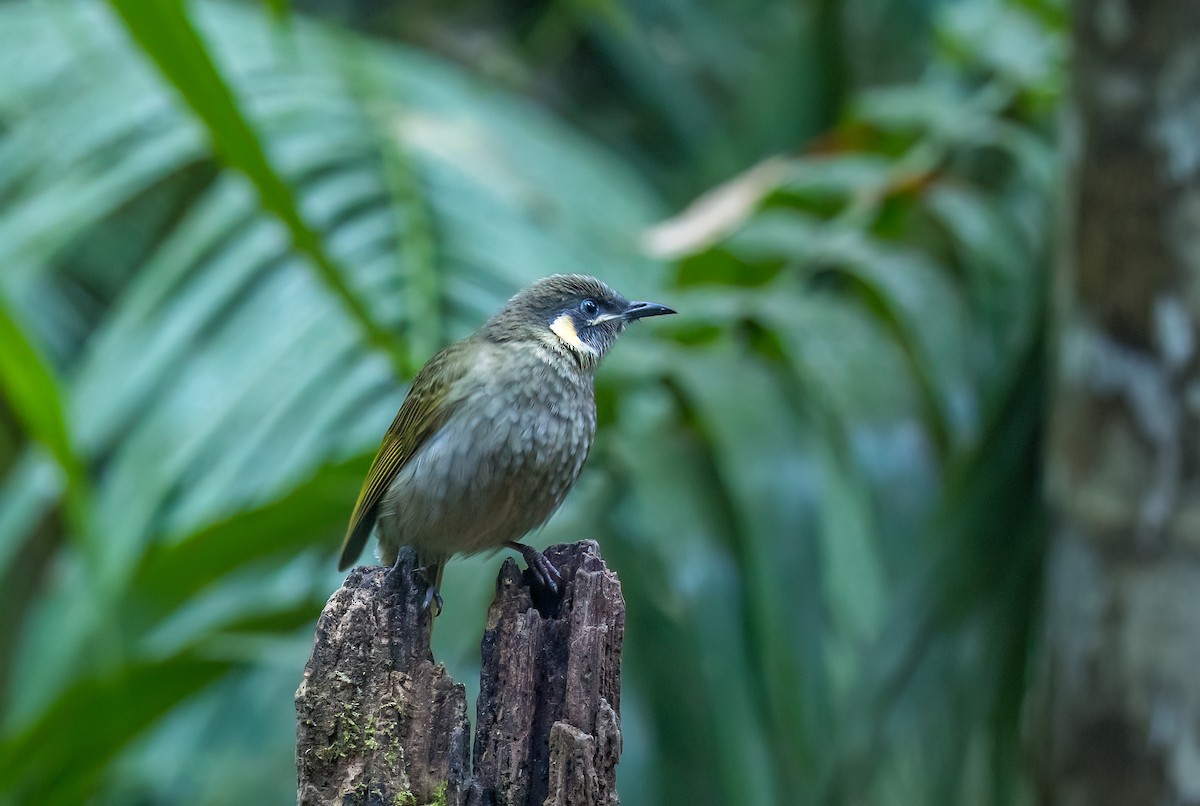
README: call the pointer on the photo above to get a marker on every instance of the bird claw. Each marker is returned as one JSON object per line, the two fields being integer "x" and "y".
{"x": 429, "y": 575}
{"x": 545, "y": 572}
{"x": 391, "y": 579}
{"x": 432, "y": 596}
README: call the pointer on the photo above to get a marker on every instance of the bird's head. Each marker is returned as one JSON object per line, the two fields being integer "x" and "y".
{"x": 574, "y": 314}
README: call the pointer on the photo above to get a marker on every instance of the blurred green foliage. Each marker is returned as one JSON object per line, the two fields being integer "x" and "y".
{"x": 231, "y": 233}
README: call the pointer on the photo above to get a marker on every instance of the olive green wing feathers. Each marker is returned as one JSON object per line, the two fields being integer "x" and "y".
{"x": 424, "y": 411}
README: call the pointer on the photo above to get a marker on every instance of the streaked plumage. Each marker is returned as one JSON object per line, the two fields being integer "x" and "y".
{"x": 495, "y": 428}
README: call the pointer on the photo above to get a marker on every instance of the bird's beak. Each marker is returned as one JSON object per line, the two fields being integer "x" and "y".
{"x": 640, "y": 310}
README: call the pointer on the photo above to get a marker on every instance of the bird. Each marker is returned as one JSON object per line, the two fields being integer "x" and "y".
{"x": 493, "y": 432}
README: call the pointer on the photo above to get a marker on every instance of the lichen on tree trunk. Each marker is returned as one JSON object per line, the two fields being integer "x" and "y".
{"x": 379, "y": 723}
{"x": 1116, "y": 708}
{"x": 377, "y": 720}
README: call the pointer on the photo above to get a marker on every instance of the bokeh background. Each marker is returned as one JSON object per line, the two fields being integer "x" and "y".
{"x": 231, "y": 232}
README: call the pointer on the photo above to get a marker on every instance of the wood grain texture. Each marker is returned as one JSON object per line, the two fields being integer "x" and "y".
{"x": 377, "y": 720}
{"x": 379, "y": 723}
{"x": 551, "y": 667}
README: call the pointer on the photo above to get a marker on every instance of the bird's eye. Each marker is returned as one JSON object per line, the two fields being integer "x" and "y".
{"x": 589, "y": 307}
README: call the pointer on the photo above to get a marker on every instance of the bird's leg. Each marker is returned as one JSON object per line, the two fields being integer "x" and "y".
{"x": 391, "y": 577}
{"x": 431, "y": 575}
{"x": 545, "y": 572}
{"x": 432, "y": 596}
{"x": 433, "y": 580}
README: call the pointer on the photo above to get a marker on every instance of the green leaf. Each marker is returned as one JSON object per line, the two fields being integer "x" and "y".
{"x": 53, "y": 765}
{"x": 878, "y": 291}
{"x": 31, "y": 488}
{"x": 167, "y": 35}
{"x": 33, "y": 393}
{"x": 281, "y": 9}
{"x": 681, "y": 576}
{"x": 313, "y": 513}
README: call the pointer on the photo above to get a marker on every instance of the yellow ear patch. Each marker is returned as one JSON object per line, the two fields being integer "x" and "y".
{"x": 564, "y": 328}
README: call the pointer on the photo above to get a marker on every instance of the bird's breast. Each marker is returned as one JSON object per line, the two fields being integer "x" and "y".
{"x": 541, "y": 431}
{"x": 535, "y": 430}
{"x": 500, "y": 466}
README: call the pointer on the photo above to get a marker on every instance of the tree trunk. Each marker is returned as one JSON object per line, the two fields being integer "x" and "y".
{"x": 1116, "y": 708}
{"x": 379, "y": 723}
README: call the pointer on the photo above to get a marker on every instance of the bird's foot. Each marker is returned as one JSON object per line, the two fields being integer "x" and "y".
{"x": 392, "y": 576}
{"x": 428, "y": 575}
{"x": 539, "y": 566}
{"x": 432, "y": 597}
{"x": 431, "y": 574}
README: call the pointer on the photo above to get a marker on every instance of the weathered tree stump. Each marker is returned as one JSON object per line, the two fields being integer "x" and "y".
{"x": 379, "y": 723}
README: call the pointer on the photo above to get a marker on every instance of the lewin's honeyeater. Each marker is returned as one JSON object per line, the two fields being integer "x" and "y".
{"x": 494, "y": 431}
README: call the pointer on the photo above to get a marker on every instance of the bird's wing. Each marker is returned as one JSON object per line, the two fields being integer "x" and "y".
{"x": 424, "y": 411}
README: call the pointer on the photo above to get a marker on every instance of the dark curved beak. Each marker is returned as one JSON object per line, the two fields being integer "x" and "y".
{"x": 640, "y": 310}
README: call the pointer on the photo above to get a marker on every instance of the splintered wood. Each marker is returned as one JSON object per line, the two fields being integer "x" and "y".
{"x": 378, "y": 722}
